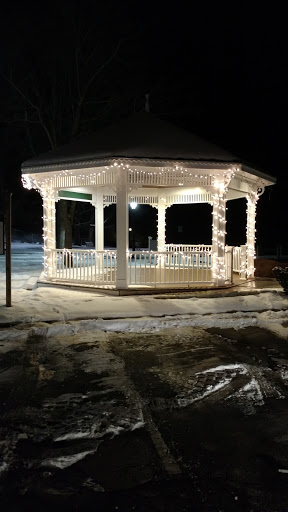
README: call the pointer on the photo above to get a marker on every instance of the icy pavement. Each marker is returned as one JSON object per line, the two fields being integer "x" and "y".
{"x": 27, "y": 265}
{"x": 183, "y": 414}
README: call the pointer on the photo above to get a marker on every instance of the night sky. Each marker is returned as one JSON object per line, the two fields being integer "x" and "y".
{"x": 220, "y": 74}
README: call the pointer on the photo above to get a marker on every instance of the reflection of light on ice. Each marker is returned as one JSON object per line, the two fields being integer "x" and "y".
{"x": 284, "y": 374}
{"x": 225, "y": 367}
{"x": 253, "y": 391}
{"x": 249, "y": 396}
{"x": 210, "y": 389}
{"x": 239, "y": 369}
{"x": 66, "y": 461}
{"x": 4, "y": 466}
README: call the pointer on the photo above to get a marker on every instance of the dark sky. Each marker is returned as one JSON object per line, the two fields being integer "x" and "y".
{"x": 221, "y": 74}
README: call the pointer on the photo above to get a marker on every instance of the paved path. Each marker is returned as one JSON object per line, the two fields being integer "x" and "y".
{"x": 188, "y": 419}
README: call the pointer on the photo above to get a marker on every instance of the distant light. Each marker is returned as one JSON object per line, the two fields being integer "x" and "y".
{"x": 133, "y": 205}
{"x": 130, "y": 229}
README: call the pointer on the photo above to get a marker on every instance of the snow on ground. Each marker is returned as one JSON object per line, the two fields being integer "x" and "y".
{"x": 94, "y": 310}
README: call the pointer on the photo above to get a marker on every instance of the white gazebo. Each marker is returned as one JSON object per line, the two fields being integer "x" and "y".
{"x": 143, "y": 160}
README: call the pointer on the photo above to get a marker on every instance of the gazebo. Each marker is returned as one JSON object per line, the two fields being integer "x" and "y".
{"x": 144, "y": 160}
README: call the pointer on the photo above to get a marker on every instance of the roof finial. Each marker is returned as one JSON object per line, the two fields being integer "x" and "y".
{"x": 147, "y": 104}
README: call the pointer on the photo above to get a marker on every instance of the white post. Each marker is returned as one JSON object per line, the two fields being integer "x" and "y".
{"x": 161, "y": 235}
{"x": 49, "y": 233}
{"x": 122, "y": 222}
{"x": 99, "y": 221}
{"x": 252, "y": 198}
{"x": 218, "y": 238}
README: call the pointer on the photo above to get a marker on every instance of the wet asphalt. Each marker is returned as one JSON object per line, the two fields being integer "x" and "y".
{"x": 179, "y": 420}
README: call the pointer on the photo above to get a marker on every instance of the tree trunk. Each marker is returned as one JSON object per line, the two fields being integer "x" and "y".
{"x": 69, "y": 223}
{"x": 64, "y": 221}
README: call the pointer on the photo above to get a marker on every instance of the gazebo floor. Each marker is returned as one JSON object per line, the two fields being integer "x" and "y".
{"x": 150, "y": 277}
{"x": 163, "y": 289}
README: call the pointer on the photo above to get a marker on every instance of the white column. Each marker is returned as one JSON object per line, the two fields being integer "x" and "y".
{"x": 252, "y": 198}
{"x": 122, "y": 221}
{"x": 99, "y": 221}
{"x": 218, "y": 238}
{"x": 161, "y": 227}
{"x": 49, "y": 233}
{"x": 161, "y": 232}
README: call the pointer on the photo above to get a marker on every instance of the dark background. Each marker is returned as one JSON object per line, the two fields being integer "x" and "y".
{"x": 218, "y": 73}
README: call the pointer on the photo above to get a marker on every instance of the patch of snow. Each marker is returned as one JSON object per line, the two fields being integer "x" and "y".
{"x": 248, "y": 397}
{"x": 139, "y": 424}
{"x": 74, "y": 435}
{"x": 3, "y": 468}
{"x": 267, "y": 309}
{"x": 225, "y": 367}
{"x": 184, "y": 401}
{"x": 284, "y": 374}
{"x": 236, "y": 321}
{"x": 66, "y": 460}
{"x": 114, "y": 430}
{"x": 13, "y": 334}
{"x": 253, "y": 391}
{"x": 92, "y": 432}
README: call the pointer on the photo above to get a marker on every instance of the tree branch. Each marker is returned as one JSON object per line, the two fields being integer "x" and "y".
{"x": 77, "y": 117}
{"x": 35, "y": 107}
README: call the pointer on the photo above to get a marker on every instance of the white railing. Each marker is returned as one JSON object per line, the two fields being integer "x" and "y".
{"x": 236, "y": 259}
{"x": 85, "y": 266}
{"x": 228, "y": 264}
{"x": 188, "y": 248}
{"x": 235, "y": 256}
{"x": 239, "y": 254}
{"x": 239, "y": 259}
{"x": 178, "y": 265}
{"x": 159, "y": 268}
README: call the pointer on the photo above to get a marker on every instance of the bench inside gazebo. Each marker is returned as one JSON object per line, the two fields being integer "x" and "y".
{"x": 143, "y": 160}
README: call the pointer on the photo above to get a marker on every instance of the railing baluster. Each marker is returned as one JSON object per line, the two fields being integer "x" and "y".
{"x": 109, "y": 261}
{"x": 62, "y": 264}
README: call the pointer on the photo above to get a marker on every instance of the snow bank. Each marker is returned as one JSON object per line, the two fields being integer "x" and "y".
{"x": 61, "y": 307}
{"x": 49, "y": 312}
{"x": 54, "y": 304}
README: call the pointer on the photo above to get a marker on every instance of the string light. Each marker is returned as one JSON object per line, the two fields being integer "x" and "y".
{"x": 252, "y": 198}
{"x": 106, "y": 176}
{"x": 212, "y": 186}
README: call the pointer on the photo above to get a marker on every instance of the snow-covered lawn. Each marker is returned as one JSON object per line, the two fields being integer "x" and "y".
{"x": 265, "y": 308}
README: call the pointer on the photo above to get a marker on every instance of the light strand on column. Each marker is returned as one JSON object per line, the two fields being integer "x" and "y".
{"x": 219, "y": 226}
{"x": 48, "y": 230}
{"x": 252, "y": 198}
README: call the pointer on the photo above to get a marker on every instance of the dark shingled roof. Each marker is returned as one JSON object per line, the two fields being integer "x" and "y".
{"x": 140, "y": 136}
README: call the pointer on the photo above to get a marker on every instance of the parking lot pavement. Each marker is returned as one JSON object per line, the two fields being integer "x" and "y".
{"x": 183, "y": 419}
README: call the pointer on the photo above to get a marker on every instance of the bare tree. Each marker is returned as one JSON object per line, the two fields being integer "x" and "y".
{"x": 60, "y": 93}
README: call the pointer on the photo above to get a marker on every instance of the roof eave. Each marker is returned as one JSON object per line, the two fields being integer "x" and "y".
{"x": 153, "y": 162}
{"x": 260, "y": 174}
